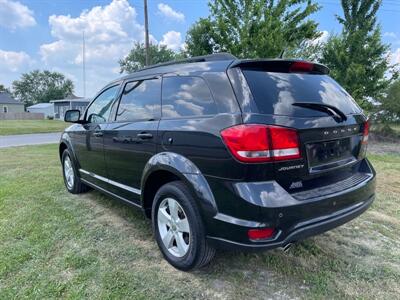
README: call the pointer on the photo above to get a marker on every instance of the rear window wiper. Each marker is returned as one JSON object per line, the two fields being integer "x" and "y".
{"x": 335, "y": 112}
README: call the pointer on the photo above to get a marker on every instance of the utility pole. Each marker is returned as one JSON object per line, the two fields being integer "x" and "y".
{"x": 146, "y": 32}
{"x": 83, "y": 64}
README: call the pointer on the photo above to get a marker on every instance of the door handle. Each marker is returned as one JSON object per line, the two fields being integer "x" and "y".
{"x": 145, "y": 136}
{"x": 98, "y": 134}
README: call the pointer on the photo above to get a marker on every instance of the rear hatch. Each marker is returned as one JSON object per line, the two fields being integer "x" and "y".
{"x": 329, "y": 124}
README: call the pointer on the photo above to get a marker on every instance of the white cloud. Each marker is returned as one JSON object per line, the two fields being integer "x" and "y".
{"x": 390, "y": 34}
{"x": 170, "y": 13}
{"x": 15, "y": 15}
{"x": 392, "y": 37}
{"x": 322, "y": 39}
{"x": 106, "y": 24}
{"x": 173, "y": 40}
{"x": 395, "y": 56}
{"x": 13, "y": 61}
{"x": 110, "y": 32}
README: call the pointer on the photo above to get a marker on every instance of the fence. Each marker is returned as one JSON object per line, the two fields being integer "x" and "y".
{"x": 21, "y": 116}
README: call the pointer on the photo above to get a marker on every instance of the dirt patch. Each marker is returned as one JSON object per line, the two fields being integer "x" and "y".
{"x": 376, "y": 147}
{"x": 383, "y": 217}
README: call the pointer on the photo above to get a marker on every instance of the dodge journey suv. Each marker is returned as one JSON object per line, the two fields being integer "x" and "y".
{"x": 224, "y": 152}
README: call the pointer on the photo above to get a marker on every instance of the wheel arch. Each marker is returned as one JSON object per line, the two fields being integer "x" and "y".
{"x": 61, "y": 148}
{"x": 165, "y": 167}
{"x": 65, "y": 143}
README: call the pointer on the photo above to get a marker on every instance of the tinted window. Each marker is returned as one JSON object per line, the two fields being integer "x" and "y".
{"x": 274, "y": 93}
{"x": 99, "y": 110}
{"x": 140, "y": 101}
{"x": 186, "y": 96}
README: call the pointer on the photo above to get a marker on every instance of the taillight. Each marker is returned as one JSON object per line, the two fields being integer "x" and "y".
{"x": 261, "y": 143}
{"x": 301, "y": 67}
{"x": 285, "y": 143}
{"x": 365, "y": 132}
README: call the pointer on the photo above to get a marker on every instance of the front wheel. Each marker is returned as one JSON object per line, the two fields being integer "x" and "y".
{"x": 72, "y": 182}
{"x": 178, "y": 228}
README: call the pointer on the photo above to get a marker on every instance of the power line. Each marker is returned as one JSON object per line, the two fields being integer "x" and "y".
{"x": 380, "y": 9}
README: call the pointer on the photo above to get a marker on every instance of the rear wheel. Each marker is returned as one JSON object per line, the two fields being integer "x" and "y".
{"x": 71, "y": 180}
{"x": 178, "y": 228}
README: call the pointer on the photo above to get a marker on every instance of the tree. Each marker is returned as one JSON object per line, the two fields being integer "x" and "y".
{"x": 4, "y": 89}
{"x": 307, "y": 50}
{"x": 391, "y": 102}
{"x": 136, "y": 59}
{"x": 201, "y": 38}
{"x": 42, "y": 86}
{"x": 257, "y": 28}
{"x": 358, "y": 58}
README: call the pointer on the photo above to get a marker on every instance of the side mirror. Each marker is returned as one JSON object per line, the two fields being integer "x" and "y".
{"x": 72, "y": 116}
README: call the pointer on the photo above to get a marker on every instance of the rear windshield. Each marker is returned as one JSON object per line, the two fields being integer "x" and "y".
{"x": 274, "y": 93}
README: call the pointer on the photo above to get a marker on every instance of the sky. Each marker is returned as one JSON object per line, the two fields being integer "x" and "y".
{"x": 47, "y": 34}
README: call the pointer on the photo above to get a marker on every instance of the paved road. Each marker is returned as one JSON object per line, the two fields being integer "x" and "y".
{"x": 29, "y": 139}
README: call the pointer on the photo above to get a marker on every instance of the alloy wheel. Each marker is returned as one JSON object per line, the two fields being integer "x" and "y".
{"x": 69, "y": 173}
{"x": 173, "y": 227}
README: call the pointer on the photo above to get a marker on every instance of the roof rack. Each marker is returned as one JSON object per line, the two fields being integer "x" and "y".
{"x": 204, "y": 58}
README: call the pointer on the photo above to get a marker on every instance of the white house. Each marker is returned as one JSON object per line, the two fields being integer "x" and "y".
{"x": 46, "y": 108}
{"x": 71, "y": 102}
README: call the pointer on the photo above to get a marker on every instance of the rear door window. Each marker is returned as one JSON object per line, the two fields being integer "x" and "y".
{"x": 274, "y": 93}
{"x": 184, "y": 96}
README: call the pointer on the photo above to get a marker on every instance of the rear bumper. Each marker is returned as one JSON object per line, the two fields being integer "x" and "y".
{"x": 315, "y": 227}
{"x": 294, "y": 218}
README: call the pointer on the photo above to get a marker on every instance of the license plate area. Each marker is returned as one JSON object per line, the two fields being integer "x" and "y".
{"x": 329, "y": 154}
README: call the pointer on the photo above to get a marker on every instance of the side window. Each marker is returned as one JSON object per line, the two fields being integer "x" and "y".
{"x": 99, "y": 110}
{"x": 141, "y": 100}
{"x": 186, "y": 96}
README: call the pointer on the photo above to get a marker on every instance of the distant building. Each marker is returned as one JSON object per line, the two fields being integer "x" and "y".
{"x": 71, "y": 102}
{"x": 9, "y": 105}
{"x": 45, "y": 108}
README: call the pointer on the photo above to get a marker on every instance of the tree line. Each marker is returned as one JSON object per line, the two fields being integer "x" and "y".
{"x": 357, "y": 57}
{"x": 40, "y": 86}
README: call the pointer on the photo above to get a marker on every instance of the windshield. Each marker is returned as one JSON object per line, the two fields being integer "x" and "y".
{"x": 274, "y": 93}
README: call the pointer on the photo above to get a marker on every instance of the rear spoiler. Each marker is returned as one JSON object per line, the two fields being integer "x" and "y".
{"x": 281, "y": 66}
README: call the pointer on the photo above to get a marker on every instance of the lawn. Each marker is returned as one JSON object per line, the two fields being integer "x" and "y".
{"x": 396, "y": 127}
{"x": 54, "y": 244}
{"x": 9, "y": 127}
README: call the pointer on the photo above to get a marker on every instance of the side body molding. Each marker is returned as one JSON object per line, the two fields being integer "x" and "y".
{"x": 187, "y": 172}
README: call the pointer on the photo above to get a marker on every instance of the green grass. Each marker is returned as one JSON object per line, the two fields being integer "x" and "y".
{"x": 9, "y": 127}
{"x": 57, "y": 245}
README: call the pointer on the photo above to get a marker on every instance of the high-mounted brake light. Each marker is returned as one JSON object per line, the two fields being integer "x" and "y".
{"x": 260, "y": 143}
{"x": 365, "y": 132}
{"x": 301, "y": 67}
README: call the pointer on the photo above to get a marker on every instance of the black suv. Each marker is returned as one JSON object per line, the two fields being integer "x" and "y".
{"x": 224, "y": 152}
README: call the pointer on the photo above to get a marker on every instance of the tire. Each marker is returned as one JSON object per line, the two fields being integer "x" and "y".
{"x": 73, "y": 184}
{"x": 198, "y": 252}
